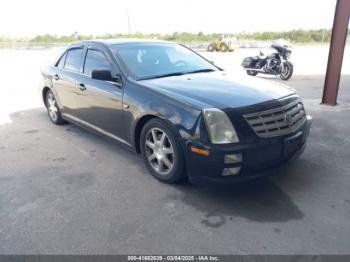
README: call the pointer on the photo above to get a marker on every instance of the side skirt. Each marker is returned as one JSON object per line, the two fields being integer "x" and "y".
{"x": 99, "y": 131}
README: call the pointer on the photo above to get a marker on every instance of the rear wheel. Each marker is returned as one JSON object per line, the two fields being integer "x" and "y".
{"x": 52, "y": 109}
{"x": 161, "y": 151}
{"x": 252, "y": 73}
{"x": 287, "y": 71}
{"x": 223, "y": 47}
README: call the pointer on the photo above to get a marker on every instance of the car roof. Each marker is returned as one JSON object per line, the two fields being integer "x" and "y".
{"x": 110, "y": 42}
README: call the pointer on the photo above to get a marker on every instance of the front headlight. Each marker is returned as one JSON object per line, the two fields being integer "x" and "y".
{"x": 220, "y": 128}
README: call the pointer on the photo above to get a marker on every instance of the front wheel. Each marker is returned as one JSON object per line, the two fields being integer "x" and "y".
{"x": 287, "y": 71}
{"x": 161, "y": 151}
{"x": 211, "y": 47}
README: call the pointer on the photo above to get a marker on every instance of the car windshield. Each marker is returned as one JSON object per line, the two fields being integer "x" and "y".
{"x": 146, "y": 61}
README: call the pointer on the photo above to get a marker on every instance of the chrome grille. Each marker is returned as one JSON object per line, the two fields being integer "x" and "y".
{"x": 277, "y": 121}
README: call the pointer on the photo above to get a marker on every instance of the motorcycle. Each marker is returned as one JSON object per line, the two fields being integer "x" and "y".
{"x": 274, "y": 64}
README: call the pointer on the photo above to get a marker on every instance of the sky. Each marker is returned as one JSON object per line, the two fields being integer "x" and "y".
{"x": 27, "y": 18}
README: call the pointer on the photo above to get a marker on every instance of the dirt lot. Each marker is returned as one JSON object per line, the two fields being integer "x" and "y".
{"x": 66, "y": 191}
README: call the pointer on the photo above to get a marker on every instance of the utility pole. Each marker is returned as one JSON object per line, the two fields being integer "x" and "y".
{"x": 323, "y": 36}
{"x": 128, "y": 17}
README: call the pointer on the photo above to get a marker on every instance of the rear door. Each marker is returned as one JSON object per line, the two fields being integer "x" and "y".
{"x": 100, "y": 102}
{"x": 68, "y": 71}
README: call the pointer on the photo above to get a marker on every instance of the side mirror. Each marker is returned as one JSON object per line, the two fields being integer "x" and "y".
{"x": 106, "y": 75}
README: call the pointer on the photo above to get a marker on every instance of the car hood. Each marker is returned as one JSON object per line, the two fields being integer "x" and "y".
{"x": 218, "y": 89}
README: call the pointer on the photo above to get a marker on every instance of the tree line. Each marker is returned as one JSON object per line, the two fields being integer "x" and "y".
{"x": 294, "y": 36}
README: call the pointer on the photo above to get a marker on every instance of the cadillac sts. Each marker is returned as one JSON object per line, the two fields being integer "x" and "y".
{"x": 184, "y": 115}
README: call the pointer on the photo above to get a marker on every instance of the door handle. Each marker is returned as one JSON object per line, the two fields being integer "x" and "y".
{"x": 82, "y": 87}
{"x": 56, "y": 77}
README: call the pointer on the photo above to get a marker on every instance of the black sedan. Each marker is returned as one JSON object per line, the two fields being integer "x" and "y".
{"x": 186, "y": 116}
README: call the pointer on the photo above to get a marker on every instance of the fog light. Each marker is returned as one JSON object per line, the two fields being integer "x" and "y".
{"x": 233, "y": 158}
{"x": 231, "y": 171}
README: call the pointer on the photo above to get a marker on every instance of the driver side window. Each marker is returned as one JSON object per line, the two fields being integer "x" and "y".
{"x": 95, "y": 60}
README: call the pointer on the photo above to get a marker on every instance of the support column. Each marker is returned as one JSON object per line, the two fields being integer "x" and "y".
{"x": 336, "y": 52}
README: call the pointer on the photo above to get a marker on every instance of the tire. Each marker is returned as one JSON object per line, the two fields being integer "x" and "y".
{"x": 156, "y": 148}
{"x": 288, "y": 71}
{"x": 251, "y": 73}
{"x": 223, "y": 47}
{"x": 211, "y": 48}
{"x": 52, "y": 109}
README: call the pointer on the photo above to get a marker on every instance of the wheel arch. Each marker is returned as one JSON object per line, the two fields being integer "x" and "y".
{"x": 142, "y": 122}
{"x": 138, "y": 129}
{"x": 44, "y": 92}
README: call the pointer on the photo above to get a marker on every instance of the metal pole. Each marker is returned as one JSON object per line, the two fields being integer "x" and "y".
{"x": 336, "y": 52}
{"x": 129, "y": 27}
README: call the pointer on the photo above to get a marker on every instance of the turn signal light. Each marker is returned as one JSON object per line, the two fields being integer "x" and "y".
{"x": 200, "y": 151}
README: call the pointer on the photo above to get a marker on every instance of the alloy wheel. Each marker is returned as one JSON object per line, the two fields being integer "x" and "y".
{"x": 159, "y": 151}
{"x": 52, "y": 107}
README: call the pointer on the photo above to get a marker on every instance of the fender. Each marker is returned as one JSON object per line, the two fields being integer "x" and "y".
{"x": 45, "y": 82}
{"x": 149, "y": 103}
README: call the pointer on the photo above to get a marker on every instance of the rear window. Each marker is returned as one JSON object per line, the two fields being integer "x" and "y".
{"x": 73, "y": 60}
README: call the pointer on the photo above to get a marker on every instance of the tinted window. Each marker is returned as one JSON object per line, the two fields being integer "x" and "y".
{"x": 60, "y": 63}
{"x": 151, "y": 60}
{"x": 95, "y": 60}
{"x": 73, "y": 60}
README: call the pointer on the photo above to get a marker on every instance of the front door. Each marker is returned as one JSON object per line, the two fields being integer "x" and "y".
{"x": 100, "y": 103}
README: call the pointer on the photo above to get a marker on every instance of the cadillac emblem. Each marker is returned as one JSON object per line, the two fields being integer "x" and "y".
{"x": 288, "y": 118}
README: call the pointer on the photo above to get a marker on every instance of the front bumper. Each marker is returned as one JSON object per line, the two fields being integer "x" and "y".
{"x": 259, "y": 157}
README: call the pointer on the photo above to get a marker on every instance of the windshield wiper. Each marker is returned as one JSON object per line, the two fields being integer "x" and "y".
{"x": 164, "y": 75}
{"x": 179, "y": 73}
{"x": 201, "y": 71}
